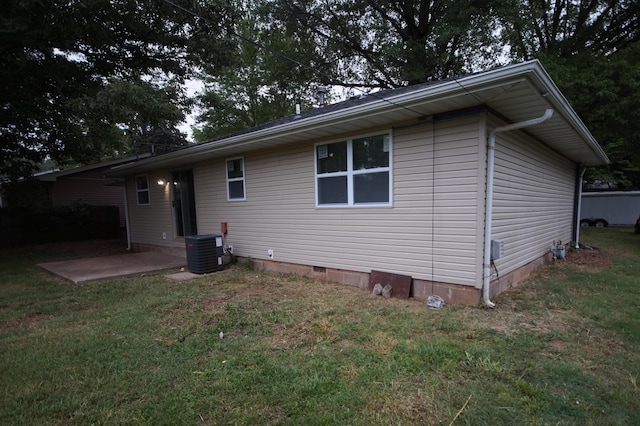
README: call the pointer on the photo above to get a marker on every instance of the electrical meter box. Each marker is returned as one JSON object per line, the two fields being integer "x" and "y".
{"x": 497, "y": 249}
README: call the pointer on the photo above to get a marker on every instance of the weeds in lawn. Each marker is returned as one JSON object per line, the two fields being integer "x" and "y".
{"x": 246, "y": 264}
{"x": 561, "y": 349}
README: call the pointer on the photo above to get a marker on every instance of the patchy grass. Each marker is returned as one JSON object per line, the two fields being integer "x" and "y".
{"x": 562, "y": 349}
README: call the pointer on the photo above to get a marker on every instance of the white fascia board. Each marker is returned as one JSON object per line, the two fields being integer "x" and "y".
{"x": 563, "y": 107}
{"x": 610, "y": 193}
{"x": 548, "y": 89}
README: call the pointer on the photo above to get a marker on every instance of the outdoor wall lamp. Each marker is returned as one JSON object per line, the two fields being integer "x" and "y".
{"x": 162, "y": 182}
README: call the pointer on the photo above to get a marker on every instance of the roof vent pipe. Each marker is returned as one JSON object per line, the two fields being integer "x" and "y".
{"x": 321, "y": 91}
{"x": 491, "y": 152}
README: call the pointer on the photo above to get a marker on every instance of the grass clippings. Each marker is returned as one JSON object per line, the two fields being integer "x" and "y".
{"x": 248, "y": 347}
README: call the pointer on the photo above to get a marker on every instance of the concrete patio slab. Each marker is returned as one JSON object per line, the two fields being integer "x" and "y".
{"x": 109, "y": 267}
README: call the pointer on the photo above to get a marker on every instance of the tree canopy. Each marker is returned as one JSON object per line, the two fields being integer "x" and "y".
{"x": 82, "y": 80}
{"x": 85, "y": 80}
{"x": 590, "y": 48}
{"x": 262, "y": 81}
{"x": 391, "y": 43}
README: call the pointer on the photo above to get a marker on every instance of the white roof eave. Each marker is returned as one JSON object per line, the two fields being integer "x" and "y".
{"x": 472, "y": 85}
{"x": 565, "y": 109}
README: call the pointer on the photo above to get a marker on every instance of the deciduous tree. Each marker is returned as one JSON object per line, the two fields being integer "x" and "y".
{"x": 272, "y": 72}
{"x": 391, "y": 43}
{"x": 591, "y": 49}
{"x": 81, "y": 78}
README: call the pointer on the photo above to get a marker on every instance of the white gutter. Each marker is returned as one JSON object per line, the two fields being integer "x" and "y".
{"x": 491, "y": 151}
{"x": 579, "y": 208}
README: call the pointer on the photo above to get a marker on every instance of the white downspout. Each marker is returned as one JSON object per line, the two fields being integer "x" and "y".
{"x": 579, "y": 209}
{"x": 126, "y": 216}
{"x": 491, "y": 151}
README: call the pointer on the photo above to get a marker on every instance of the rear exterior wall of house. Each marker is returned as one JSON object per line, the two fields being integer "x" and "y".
{"x": 429, "y": 232}
{"x": 433, "y": 231}
{"x": 533, "y": 202}
{"x": 151, "y": 223}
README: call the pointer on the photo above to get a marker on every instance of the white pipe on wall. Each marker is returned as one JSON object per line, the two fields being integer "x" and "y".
{"x": 579, "y": 208}
{"x": 491, "y": 152}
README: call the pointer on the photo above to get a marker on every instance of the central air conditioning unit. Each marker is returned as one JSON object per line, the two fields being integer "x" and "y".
{"x": 204, "y": 253}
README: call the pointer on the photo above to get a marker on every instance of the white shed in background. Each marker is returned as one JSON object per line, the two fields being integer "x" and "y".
{"x": 616, "y": 208}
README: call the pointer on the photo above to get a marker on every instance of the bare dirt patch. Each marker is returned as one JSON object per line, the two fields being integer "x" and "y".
{"x": 292, "y": 337}
{"x": 239, "y": 294}
{"x": 595, "y": 259}
{"x": 258, "y": 286}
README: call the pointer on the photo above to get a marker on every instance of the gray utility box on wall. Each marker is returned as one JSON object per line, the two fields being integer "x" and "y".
{"x": 497, "y": 249}
{"x": 204, "y": 253}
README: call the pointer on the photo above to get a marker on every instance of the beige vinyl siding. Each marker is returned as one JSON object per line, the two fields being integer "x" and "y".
{"x": 279, "y": 213}
{"x": 533, "y": 199}
{"x": 459, "y": 195}
{"x": 148, "y": 222}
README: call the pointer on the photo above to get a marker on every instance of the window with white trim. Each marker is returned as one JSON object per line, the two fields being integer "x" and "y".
{"x": 235, "y": 179}
{"x": 142, "y": 190}
{"x": 354, "y": 172}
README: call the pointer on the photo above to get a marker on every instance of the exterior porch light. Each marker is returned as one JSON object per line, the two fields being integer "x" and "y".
{"x": 162, "y": 182}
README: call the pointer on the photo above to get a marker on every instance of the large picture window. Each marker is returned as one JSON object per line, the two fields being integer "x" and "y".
{"x": 354, "y": 172}
{"x": 142, "y": 190}
{"x": 235, "y": 179}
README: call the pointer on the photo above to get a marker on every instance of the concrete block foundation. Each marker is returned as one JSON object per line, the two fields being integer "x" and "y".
{"x": 454, "y": 294}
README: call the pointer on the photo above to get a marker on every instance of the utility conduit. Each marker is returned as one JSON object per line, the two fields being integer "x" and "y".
{"x": 491, "y": 152}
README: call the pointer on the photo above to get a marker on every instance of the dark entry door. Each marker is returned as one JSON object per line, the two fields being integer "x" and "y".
{"x": 184, "y": 203}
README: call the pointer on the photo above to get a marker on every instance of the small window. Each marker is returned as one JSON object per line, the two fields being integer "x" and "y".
{"x": 355, "y": 172}
{"x": 235, "y": 179}
{"x": 142, "y": 189}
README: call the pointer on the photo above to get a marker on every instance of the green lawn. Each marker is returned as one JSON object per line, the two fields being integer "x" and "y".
{"x": 562, "y": 349}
